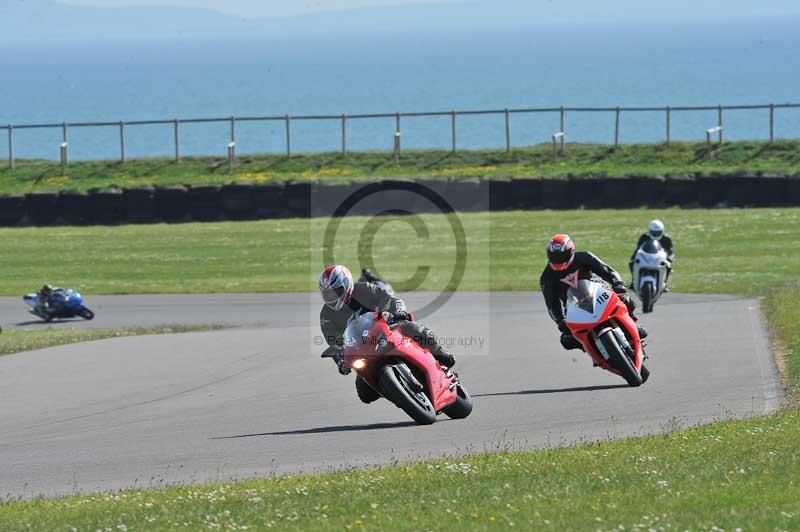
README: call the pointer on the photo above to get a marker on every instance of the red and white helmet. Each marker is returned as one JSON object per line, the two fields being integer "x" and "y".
{"x": 560, "y": 252}
{"x": 336, "y": 286}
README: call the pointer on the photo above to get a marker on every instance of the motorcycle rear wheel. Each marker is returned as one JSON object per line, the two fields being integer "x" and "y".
{"x": 620, "y": 360}
{"x": 462, "y": 407}
{"x": 415, "y": 404}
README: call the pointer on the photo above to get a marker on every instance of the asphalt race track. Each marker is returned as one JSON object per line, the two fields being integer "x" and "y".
{"x": 257, "y": 400}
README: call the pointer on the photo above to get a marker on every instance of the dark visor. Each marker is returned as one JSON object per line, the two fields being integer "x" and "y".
{"x": 559, "y": 257}
{"x": 332, "y": 294}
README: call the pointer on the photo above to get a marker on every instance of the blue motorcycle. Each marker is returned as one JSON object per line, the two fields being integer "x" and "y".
{"x": 64, "y": 303}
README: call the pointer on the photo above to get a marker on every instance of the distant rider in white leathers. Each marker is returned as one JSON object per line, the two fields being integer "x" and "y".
{"x": 655, "y": 231}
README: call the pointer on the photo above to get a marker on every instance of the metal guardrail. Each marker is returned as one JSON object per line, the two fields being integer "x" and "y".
{"x": 287, "y": 119}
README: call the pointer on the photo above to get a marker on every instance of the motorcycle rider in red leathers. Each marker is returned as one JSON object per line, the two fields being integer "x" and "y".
{"x": 565, "y": 266}
{"x": 344, "y": 299}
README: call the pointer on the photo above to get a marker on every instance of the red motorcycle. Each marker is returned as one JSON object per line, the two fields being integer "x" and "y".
{"x": 401, "y": 371}
{"x": 600, "y": 321}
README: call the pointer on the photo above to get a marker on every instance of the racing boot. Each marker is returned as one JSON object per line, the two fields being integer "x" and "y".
{"x": 425, "y": 337}
{"x": 444, "y": 358}
{"x": 642, "y": 331}
{"x": 569, "y": 342}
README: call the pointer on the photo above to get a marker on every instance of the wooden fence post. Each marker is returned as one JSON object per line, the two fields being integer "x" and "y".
{"x": 288, "y": 136}
{"x": 10, "y": 147}
{"x": 771, "y": 123}
{"x": 508, "y": 132}
{"x": 669, "y": 125}
{"x": 122, "y": 141}
{"x": 177, "y": 141}
{"x": 64, "y": 140}
{"x": 453, "y": 128}
{"x": 344, "y": 134}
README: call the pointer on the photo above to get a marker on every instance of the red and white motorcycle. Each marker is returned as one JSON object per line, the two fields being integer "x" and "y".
{"x": 599, "y": 320}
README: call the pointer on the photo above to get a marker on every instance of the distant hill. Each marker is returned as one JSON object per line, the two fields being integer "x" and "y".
{"x": 37, "y": 20}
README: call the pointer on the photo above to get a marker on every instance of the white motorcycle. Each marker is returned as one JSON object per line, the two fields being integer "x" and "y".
{"x": 650, "y": 273}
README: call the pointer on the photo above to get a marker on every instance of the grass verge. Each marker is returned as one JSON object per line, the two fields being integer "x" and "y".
{"x": 725, "y": 476}
{"x": 719, "y": 251}
{"x": 783, "y": 315}
{"x": 19, "y": 340}
{"x": 780, "y": 158}
{"x": 739, "y": 475}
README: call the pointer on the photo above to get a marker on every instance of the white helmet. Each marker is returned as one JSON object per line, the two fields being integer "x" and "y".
{"x": 656, "y": 229}
{"x": 336, "y": 286}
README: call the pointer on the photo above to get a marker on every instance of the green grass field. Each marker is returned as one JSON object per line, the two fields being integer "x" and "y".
{"x": 731, "y": 475}
{"x": 722, "y": 251}
{"x": 755, "y": 158}
{"x": 19, "y": 340}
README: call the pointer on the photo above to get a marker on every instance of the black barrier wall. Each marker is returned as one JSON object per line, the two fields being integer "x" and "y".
{"x": 293, "y": 200}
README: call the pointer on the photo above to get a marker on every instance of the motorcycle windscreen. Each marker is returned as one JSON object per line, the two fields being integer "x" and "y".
{"x": 651, "y": 254}
{"x": 651, "y": 247}
{"x": 586, "y": 302}
{"x": 357, "y": 330}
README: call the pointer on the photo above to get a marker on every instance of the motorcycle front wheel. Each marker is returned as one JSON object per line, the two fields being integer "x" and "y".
{"x": 620, "y": 360}
{"x": 648, "y": 294}
{"x": 414, "y": 403}
{"x": 86, "y": 314}
{"x": 645, "y": 373}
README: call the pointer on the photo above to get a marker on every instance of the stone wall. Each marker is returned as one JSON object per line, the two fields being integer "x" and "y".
{"x": 253, "y": 202}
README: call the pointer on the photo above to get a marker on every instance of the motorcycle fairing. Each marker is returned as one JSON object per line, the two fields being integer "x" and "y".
{"x": 607, "y": 309}
{"x": 650, "y": 265}
{"x": 588, "y": 302}
{"x": 368, "y": 336}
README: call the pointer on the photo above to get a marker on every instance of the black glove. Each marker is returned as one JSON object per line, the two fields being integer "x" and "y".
{"x": 562, "y": 326}
{"x": 619, "y": 288}
{"x": 344, "y": 369}
{"x": 394, "y": 318}
{"x": 335, "y": 353}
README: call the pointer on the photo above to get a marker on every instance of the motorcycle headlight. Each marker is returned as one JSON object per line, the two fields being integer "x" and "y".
{"x": 359, "y": 364}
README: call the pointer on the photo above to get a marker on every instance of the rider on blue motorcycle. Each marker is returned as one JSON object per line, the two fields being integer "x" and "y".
{"x": 45, "y": 295}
